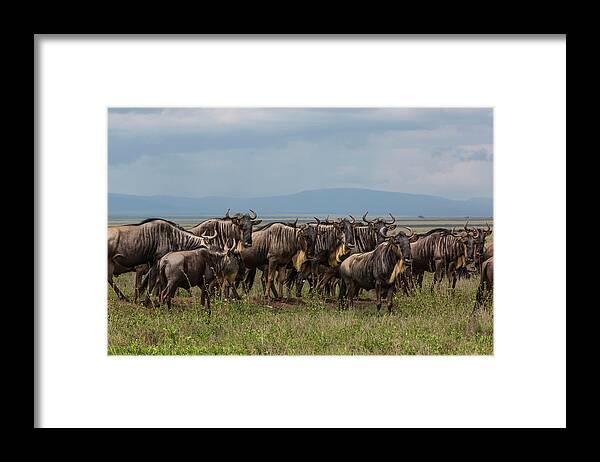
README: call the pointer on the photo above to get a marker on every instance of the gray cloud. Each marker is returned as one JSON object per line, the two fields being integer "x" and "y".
{"x": 262, "y": 151}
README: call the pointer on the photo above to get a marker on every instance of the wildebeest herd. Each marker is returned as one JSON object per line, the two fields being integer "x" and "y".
{"x": 343, "y": 256}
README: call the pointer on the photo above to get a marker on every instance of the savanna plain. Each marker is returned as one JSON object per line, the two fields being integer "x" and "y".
{"x": 420, "y": 324}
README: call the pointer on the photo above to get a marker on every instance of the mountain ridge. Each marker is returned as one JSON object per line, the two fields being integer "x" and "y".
{"x": 318, "y": 201}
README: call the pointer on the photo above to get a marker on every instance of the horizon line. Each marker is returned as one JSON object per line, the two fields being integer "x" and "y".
{"x": 298, "y": 192}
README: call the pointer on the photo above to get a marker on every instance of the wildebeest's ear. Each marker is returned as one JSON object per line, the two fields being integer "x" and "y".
{"x": 256, "y": 222}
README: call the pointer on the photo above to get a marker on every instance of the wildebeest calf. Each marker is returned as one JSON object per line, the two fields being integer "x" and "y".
{"x": 196, "y": 268}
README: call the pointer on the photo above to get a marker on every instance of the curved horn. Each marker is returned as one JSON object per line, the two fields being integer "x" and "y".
{"x": 208, "y": 238}
{"x": 365, "y": 218}
{"x": 384, "y": 232}
{"x": 411, "y": 231}
{"x": 353, "y": 219}
{"x": 466, "y": 225}
{"x": 227, "y": 214}
{"x": 318, "y": 221}
{"x": 393, "y": 220}
{"x": 296, "y": 222}
{"x": 255, "y": 215}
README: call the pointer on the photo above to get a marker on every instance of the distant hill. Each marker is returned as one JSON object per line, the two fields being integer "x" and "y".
{"x": 320, "y": 201}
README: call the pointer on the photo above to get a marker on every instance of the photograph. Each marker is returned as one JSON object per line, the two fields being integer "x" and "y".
{"x": 300, "y": 231}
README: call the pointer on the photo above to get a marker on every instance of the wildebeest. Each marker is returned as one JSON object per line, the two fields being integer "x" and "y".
{"x": 488, "y": 252}
{"x": 441, "y": 252}
{"x": 276, "y": 245}
{"x": 479, "y": 235}
{"x": 130, "y": 246}
{"x": 194, "y": 268}
{"x": 377, "y": 269}
{"x": 486, "y": 283}
{"x": 229, "y": 229}
{"x": 333, "y": 241}
{"x": 367, "y": 236}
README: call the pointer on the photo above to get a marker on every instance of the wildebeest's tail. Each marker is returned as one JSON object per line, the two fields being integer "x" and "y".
{"x": 161, "y": 279}
{"x": 342, "y": 293}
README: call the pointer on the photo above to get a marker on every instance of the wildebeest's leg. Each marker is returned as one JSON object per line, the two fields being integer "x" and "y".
{"x": 249, "y": 279}
{"x": 206, "y": 293}
{"x": 327, "y": 289}
{"x": 300, "y": 277}
{"x": 452, "y": 276}
{"x": 263, "y": 279}
{"x": 167, "y": 293}
{"x": 420, "y": 280}
{"x": 111, "y": 269}
{"x": 341, "y": 294}
{"x": 286, "y": 275}
{"x": 233, "y": 289}
{"x": 299, "y": 284}
{"x": 280, "y": 277}
{"x": 148, "y": 282}
{"x": 313, "y": 276}
{"x": 378, "y": 294}
{"x": 478, "y": 297}
{"x": 270, "y": 275}
{"x": 351, "y": 295}
{"x": 390, "y": 298}
{"x": 437, "y": 275}
{"x": 202, "y": 296}
{"x": 138, "y": 282}
{"x": 120, "y": 294}
{"x": 406, "y": 282}
{"x": 291, "y": 279}
{"x": 152, "y": 279}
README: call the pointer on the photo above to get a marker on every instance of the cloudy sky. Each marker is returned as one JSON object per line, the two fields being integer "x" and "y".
{"x": 272, "y": 151}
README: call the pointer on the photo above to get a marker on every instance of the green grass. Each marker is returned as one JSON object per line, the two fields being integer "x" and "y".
{"x": 422, "y": 324}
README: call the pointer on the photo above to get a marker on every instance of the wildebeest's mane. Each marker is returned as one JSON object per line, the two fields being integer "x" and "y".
{"x": 435, "y": 230}
{"x": 273, "y": 223}
{"x": 148, "y": 220}
{"x": 212, "y": 219}
{"x": 225, "y": 218}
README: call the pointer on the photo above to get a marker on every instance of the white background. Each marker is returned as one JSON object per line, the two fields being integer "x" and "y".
{"x": 522, "y": 384}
